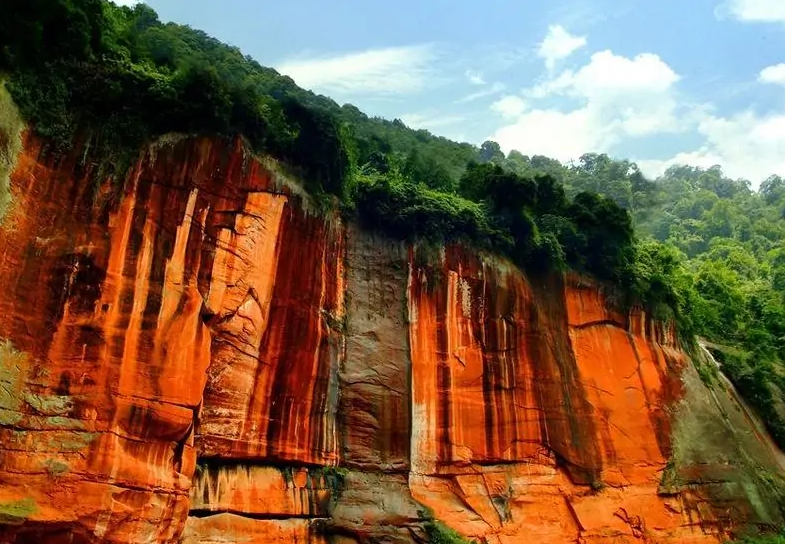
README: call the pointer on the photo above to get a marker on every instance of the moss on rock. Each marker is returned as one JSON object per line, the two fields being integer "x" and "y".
{"x": 16, "y": 512}
{"x": 11, "y": 127}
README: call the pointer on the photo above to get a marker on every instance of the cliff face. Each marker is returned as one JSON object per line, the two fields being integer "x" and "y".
{"x": 195, "y": 357}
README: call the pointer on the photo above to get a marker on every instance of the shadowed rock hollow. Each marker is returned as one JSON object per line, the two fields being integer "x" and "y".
{"x": 195, "y": 356}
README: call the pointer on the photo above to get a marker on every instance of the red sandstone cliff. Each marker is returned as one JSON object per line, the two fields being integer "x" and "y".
{"x": 185, "y": 358}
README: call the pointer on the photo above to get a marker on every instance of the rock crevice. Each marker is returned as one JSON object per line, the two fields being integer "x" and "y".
{"x": 200, "y": 359}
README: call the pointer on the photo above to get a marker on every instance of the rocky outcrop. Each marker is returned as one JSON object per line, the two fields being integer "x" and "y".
{"x": 542, "y": 415}
{"x": 133, "y": 314}
{"x": 196, "y": 356}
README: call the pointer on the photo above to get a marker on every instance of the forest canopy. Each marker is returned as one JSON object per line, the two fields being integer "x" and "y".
{"x": 92, "y": 69}
{"x": 693, "y": 245}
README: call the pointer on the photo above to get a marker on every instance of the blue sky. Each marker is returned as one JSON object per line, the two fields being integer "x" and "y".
{"x": 657, "y": 81}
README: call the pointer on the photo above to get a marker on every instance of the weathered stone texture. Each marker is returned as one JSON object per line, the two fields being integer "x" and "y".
{"x": 189, "y": 356}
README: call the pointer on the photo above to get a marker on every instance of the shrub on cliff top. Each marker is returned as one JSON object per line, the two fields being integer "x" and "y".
{"x": 528, "y": 219}
{"x": 118, "y": 77}
{"x": 410, "y": 211}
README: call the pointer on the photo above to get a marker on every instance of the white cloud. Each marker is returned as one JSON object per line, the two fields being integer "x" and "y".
{"x": 620, "y": 98}
{"x": 449, "y": 126}
{"x": 559, "y": 44}
{"x": 773, "y": 74}
{"x": 392, "y": 70}
{"x": 551, "y": 86}
{"x": 509, "y": 106}
{"x": 475, "y": 77}
{"x": 753, "y": 11}
{"x": 610, "y": 73}
{"x": 430, "y": 120}
{"x": 496, "y": 88}
{"x": 553, "y": 133}
{"x": 745, "y": 145}
{"x": 128, "y": 3}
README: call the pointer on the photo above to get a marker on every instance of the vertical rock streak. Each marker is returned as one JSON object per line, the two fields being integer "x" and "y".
{"x": 192, "y": 353}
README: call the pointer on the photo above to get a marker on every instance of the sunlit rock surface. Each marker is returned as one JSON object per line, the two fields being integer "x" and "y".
{"x": 195, "y": 355}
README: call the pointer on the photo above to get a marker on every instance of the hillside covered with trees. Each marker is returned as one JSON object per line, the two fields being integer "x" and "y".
{"x": 692, "y": 245}
{"x": 717, "y": 243}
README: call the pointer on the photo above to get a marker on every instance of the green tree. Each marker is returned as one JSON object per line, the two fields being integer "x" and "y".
{"x": 773, "y": 190}
{"x": 490, "y": 152}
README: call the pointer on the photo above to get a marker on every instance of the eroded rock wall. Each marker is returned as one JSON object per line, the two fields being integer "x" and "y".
{"x": 191, "y": 302}
{"x": 548, "y": 414}
{"x": 193, "y": 356}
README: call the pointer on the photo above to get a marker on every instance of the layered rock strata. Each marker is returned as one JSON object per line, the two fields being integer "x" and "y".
{"x": 197, "y": 356}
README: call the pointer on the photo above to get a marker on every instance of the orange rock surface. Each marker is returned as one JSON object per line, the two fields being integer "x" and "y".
{"x": 541, "y": 414}
{"x": 116, "y": 303}
{"x": 186, "y": 356}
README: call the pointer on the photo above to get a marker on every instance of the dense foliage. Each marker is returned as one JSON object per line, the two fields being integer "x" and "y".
{"x": 91, "y": 69}
{"x": 713, "y": 250}
{"x": 731, "y": 243}
{"x": 116, "y": 75}
{"x": 710, "y": 254}
{"x": 528, "y": 218}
